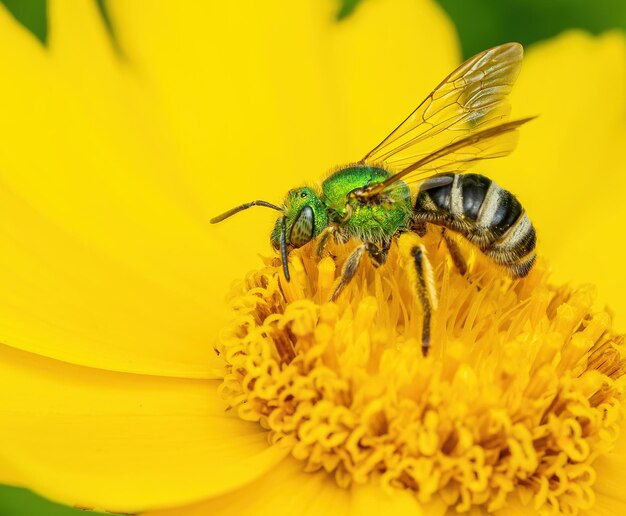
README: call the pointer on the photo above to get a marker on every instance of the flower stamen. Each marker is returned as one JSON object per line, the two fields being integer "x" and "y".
{"x": 519, "y": 395}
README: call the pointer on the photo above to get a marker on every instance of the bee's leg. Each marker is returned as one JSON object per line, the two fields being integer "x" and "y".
{"x": 419, "y": 272}
{"x": 378, "y": 255}
{"x": 455, "y": 252}
{"x": 419, "y": 226}
{"x": 349, "y": 270}
{"x": 421, "y": 287}
{"x": 323, "y": 239}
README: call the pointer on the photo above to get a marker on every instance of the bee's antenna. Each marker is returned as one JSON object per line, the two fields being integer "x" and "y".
{"x": 242, "y": 207}
{"x": 283, "y": 247}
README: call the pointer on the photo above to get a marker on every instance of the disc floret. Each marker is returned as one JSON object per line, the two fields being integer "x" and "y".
{"x": 518, "y": 398}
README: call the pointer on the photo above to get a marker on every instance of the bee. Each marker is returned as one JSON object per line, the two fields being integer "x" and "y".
{"x": 415, "y": 178}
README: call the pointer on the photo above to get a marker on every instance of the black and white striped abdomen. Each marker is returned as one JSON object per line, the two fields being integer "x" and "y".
{"x": 487, "y": 215}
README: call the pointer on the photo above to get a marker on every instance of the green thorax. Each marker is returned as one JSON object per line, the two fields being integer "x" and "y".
{"x": 376, "y": 221}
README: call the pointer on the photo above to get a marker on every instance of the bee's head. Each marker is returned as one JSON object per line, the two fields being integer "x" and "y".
{"x": 304, "y": 217}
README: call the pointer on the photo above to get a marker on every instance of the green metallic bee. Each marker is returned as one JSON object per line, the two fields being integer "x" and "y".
{"x": 464, "y": 120}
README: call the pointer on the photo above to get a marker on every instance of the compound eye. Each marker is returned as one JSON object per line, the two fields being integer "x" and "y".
{"x": 302, "y": 229}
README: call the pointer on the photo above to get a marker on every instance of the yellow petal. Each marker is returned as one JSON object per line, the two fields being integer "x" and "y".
{"x": 277, "y": 92}
{"x": 121, "y": 442}
{"x": 111, "y": 168}
{"x": 609, "y": 486}
{"x": 289, "y": 490}
{"x": 568, "y": 168}
{"x": 102, "y": 265}
{"x": 373, "y": 500}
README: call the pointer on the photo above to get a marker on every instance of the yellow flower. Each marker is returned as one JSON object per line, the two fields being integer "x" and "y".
{"x": 112, "y": 279}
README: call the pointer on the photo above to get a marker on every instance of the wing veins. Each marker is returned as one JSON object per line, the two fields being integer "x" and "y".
{"x": 472, "y": 96}
{"x": 483, "y": 136}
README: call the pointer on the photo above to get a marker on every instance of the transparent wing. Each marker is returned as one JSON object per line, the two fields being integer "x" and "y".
{"x": 471, "y": 99}
{"x": 493, "y": 142}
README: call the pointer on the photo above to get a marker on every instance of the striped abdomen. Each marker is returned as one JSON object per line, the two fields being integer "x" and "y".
{"x": 487, "y": 215}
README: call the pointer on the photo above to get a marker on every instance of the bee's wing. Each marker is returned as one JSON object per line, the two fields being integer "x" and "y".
{"x": 493, "y": 142}
{"x": 471, "y": 99}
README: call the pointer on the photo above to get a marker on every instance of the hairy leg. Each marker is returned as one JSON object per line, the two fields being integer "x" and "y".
{"x": 419, "y": 273}
{"x": 322, "y": 240}
{"x": 378, "y": 255}
{"x": 349, "y": 270}
{"x": 419, "y": 226}
{"x": 455, "y": 252}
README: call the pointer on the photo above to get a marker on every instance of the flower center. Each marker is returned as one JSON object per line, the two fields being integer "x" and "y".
{"x": 519, "y": 395}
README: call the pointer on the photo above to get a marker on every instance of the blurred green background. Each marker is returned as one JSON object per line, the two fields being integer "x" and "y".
{"x": 480, "y": 24}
